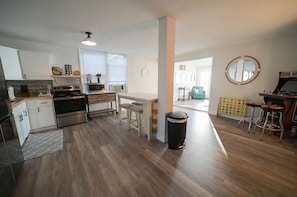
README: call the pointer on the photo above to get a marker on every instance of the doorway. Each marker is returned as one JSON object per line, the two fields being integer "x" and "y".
{"x": 192, "y": 84}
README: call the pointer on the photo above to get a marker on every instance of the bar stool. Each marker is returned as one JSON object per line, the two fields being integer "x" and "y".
{"x": 137, "y": 109}
{"x": 125, "y": 106}
{"x": 250, "y": 118}
{"x": 271, "y": 119}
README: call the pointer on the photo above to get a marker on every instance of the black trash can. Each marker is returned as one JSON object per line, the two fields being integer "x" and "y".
{"x": 177, "y": 126}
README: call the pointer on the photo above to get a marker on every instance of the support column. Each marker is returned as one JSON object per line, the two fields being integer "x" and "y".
{"x": 165, "y": 73}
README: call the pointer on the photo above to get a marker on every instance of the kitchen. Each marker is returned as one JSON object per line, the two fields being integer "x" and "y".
{"x": 31, "y": 93}
{"x": 56, "y": 81}
{"x": 275, "y": 53}
{"x": 137, "y": 77}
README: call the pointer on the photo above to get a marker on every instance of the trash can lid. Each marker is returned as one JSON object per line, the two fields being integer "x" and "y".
{"x": 178, "y": 115}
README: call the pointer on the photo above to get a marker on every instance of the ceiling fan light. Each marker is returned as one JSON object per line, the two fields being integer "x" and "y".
{"x": 88, "y": 40}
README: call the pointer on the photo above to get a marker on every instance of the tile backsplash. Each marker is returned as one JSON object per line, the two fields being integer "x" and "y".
{"x": 34, "y": 86}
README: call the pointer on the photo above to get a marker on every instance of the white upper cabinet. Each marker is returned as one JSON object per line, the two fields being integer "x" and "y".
{"x": 10, "y": 63}
{"x": 35, "y": 65}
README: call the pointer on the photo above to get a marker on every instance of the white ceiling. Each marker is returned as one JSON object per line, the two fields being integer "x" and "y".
{"x": 131, "y": 26}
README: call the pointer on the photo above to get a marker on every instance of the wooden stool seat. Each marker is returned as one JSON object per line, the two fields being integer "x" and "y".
{"x": 136, "y": 103}
{"x": 273, "y": 107}
{"x": 254, "y": 104}
{"x": 126, "y": 105}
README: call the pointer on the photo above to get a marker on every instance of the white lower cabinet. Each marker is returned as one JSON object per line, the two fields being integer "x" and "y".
{"x": 22, "y": 122}
{"x": 41, "y": 114}
{"x": 26, "y": 119}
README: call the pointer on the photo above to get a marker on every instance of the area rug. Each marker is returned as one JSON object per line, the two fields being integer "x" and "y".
{"x": 40, "y": 144}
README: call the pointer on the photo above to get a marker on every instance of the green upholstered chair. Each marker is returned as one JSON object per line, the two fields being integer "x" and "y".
{"x": 198, "y": 92}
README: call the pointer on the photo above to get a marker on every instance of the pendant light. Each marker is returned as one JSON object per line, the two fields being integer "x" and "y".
{"x": 88, "y": 40}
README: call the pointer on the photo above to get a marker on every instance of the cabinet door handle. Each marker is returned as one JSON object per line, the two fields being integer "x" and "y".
{"x": 45, "y": 102}
{"x": 21, "y": 118}
{"x": 38, "y": 109}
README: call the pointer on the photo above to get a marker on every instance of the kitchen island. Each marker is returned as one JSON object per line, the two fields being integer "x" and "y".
{"x": 99, "y": 97}
{"x": 147, "y": 101}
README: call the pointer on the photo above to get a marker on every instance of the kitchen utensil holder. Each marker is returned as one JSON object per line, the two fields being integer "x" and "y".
{"x": 68, "y": 69}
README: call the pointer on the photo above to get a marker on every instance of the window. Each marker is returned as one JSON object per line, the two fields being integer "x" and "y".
{"x": 117, "y": 68}
{"x": 112, "y": 67}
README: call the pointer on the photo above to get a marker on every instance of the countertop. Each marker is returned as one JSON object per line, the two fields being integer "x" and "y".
{"x": 20, "y": 100}
{"x": 98, "y": 92}
{"x": 139, "y": 96}
{"x": 278, "y": 96}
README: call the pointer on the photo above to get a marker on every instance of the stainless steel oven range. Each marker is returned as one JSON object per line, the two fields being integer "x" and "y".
{"x": 70, "y": 105}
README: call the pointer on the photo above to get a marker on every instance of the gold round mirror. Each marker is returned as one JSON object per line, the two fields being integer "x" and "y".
{"x": 242, "y": 70}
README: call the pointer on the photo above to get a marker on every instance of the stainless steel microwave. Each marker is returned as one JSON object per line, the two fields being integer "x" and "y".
{"x": 96, "y": 86}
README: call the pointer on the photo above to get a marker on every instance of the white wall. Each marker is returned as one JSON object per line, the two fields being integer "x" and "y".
{"x": 136, "y": 83}
{"x": 274, "y": 54}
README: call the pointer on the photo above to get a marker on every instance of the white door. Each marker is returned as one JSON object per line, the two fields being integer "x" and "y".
{"x": 33, "y": 115}
{"x": 18, "y": 117}
{"x": 26, "y": 120}
{"x": 46, "y": 116}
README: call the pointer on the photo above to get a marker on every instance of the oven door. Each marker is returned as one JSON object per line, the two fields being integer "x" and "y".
{"x": 69, "y": 104}
{"x": 70, "y": 110}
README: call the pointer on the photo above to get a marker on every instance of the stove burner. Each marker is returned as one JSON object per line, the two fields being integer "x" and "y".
{"x": 66, "y": 91}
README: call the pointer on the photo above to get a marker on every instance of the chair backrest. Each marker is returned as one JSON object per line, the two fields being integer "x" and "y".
{"x": 199, "y": 88}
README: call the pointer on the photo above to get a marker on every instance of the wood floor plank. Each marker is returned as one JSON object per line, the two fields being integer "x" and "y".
{"x": 103, "y": 158}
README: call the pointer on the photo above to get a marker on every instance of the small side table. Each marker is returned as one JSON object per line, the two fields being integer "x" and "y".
{"x": 182, "y": 92}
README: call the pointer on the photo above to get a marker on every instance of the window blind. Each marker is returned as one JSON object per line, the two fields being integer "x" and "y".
{"x": 113, "y": 67}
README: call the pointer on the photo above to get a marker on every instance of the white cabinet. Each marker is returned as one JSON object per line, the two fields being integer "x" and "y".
{"x": 41, "y": 114}
{"x": 26, "y": 119}
{"x": 21, "y": 118}
{"x": 46, "y": 113}
{"x": 35, "y": 65}
{"x": 11, "y": 63}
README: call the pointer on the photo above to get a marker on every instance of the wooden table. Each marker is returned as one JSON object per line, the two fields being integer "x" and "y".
{"x": 147, "y": 101}
{"x": 101, "y": 97}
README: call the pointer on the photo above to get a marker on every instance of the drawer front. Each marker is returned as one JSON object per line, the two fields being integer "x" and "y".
{"x": 44, "y": 102}
{"x": 101, "y": 98}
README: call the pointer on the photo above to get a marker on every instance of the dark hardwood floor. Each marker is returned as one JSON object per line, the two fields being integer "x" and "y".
{"x": 103, "y": 158}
